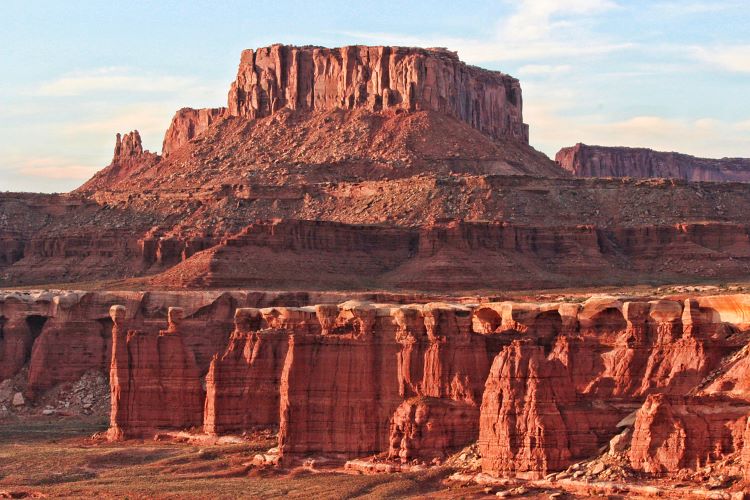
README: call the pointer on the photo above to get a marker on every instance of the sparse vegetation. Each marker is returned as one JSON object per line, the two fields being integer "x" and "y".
{"x": 59, "y": 458}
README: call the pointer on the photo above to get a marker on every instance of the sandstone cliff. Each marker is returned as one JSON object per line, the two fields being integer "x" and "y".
{"x": 412, "y": 382}
{"x": 187, "y": 124}
{"x": 599, "y": 161}
{"x": 376, "y": 78}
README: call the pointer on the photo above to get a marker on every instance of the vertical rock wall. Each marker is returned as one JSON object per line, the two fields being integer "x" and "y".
{"x": 320, "y": 79}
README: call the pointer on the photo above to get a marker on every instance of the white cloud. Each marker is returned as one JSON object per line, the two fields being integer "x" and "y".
{"x": 537, "y": 30}
{"x": 544, "y": 69}
{"x": 552, "y": 128}
{"x": 734, "y": 58}
{"x": 113, "y": 79}
{"x": 539, "y": 19}
{"x": 691, "y": 8}
{"x": 147, "y": 117}
{"x": 50, "y": 167}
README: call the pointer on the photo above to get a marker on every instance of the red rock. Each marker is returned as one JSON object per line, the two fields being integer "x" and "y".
{"x": 242, "y": 386}
{"x": 599, "y": 161}
{"x": 187, "y": 124}
{"x": 129, "y": 155}
{"x": 425, "y": 428}
{"x": 338, "y": 391}
{"x": 154, "y": 380}
{"x": 672, "y": 433}
{"x": 376, "y": 78}
{"x": 530, "y": 422}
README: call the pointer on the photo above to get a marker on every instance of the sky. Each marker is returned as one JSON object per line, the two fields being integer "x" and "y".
{"x": 665, "y": 74}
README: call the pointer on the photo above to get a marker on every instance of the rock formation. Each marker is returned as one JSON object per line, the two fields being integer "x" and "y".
{"x": 386, "y": 167}
{"x": 376, "y": 78}
{"x": 425, "y": 428}
{"x": 187, "y": 124}
{"x": 129, "y": 156}
{"x": 242, "y": 386}
{"x": 413, "y": 381}
{"x": 599, "y": 161}
{"x": 529, "y": 421}
{"x": 154, "y": 379}
{"x": 673, "y": 433}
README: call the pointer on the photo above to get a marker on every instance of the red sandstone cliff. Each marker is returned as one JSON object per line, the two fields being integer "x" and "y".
{"x": 187, "y": 124}
{"x": 242, "y": 385}
{"x": 407, "y": 381}
{"x": 599, "y": 161}
{"x": 154, "y": 380}
{"x": 377, "y": 78}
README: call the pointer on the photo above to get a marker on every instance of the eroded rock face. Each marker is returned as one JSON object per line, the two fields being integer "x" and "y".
{"x": 673, "y": 432}
{"x": 412, "y": 381}
{"x": 599, "y": 161}
{"x": 339, "y": 390}
{"x": 154, "y": 380}
{"x": 376, "y": 78}
{"x": 187, "y": 124}
{"x": 530, "y": 422}
{"x": 242, "y": 385}
{"x": 426, "y": 428}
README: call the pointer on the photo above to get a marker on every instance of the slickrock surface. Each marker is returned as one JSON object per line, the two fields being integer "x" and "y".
{"x": 600, "y": 161}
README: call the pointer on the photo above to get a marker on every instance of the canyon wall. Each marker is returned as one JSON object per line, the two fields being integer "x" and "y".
{"x": 537, "y": 385}
{"x": 320, "y": 79}
{"x": 599, "y": 161}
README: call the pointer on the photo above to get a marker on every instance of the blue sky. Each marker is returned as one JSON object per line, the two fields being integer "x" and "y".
{"x": 671, "y": 75}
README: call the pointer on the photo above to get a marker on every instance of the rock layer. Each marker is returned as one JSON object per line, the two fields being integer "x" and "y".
{"x": 154, "y": 380}
{"x": 599, "y": 161}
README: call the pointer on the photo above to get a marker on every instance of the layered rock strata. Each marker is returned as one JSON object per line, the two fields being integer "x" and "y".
{"x": 599, "y": 161}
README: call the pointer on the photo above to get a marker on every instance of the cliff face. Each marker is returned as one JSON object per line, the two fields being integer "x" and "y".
{"x": 376, "y": 78}
{"x": 187, "y": 124}
{"x": 599, "y": 161}
{"x": 462, "y": 256}
{"x": 413, "y": 382}
{"x": 243, "y": 383}
{"x": 154, "y": 380}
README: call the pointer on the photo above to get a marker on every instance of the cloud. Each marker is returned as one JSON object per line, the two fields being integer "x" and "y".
{"x": 536, "y": 30}
{"x": 50, "y": 167}
{"x": 539, "y": 19}
{"x": 113, "y": 79}
{"x": 147, "y": 117}
{"x": 692, "y": 8}
{"x": 553, "y": 128}
{"x": 733, "y": 58}
{"x": 543, "y": 69}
